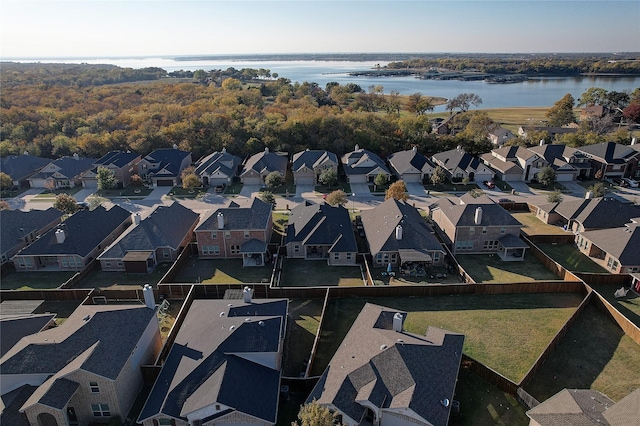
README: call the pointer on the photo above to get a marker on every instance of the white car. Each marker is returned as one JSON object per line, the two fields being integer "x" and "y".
{"x": 632, "y": 183}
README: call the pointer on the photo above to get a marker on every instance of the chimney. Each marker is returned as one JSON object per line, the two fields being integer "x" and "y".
{"x": 478, "y": 217}
{"x": 76, "y": 156}
{"x": 175, "y": 146}
{"x": 220, "y": 220}
{"x": 459, "y": 147}
{"x": 266, "y": 149}
{"x": 398, "y": 232}
{"x": 60, "y": 236}
{"x": 246, "y": 295}
{"x": 414, "y": 149}
{"x": 397, "y": 322}
{"x": 136, "y": 218}
{"x": 634, "y": 140}
{"x": 26, "y": 153}
{"x": 149, "y": 299}
{"x": 588, "y": 195}
{"x": 224, "y": 149}
{"x": 541, "y": 142}
{"x": 356, "y": 148}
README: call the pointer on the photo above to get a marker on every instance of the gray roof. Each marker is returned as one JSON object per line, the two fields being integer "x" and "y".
{"x": 17, "y": 224}
{"x": 512, "y": 241}
{"x": 403, "y": 161}
{"x": 253, "y": 246}
{"x": 14, "y": 329}
{"x": 513, "y": 152}
{"x": 623, "y": 243}
{"x": 222, "y": 162}
{"x": 117, "y": 158}
{"x": 266, "y": 162}
{"x": 238, "y": 218}
{"x": 59, "y": 393}
{"x": 169, "y": 159}
{"x": 321, "y": 224}
{"x": 70, "y": 167}
{"x": 505, "y": 167}
{"x": 164, "y": 227}
{"x": 84, "y": 230}
{"x": 312, "y": 158}
{"x": 358, "y": 159}
{"x": 205, "y": 368}
{"x": 380, "y": 228}
{"x": 20, "y": 167}
{"x": 453, "y": 158}
{"x": 572, "y": 407}
{"x": 391, "y": 370}
{"x": 13, "y": 401}
{"x": 609, "y": 152}
{"x": 113, "y": 331}
{"x": 596, "y": 213}
{"x": 556, "y": 154}
{"x": 492, "y": 215}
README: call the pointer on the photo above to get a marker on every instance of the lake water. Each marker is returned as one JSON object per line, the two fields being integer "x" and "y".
{"x": 538, "y": 92}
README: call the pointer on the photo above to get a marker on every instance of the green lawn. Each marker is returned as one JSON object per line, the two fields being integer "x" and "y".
{"x": 554, "y": 186}
{"x": 302, "y": 326}
{"x": 493, "y": 325}
{"x": 327, "y": 189}
{"x": 34, "y": 280}
{"x": 484, "y": 268}
{"x": 180, "y": 192}
{"x": 594, "y": 354}
{"x": 55, "y": 192}
{"x": 314, "y": 273}
{"x": 280, "y": 221}
{"x": 629, "y": 306}
{"x": 102, "y": 279}
{"x": 571, "y": 258}
{"x": 222, "y": 271}
{"x": 534, "y": 226}
{"x": 12, "y": 193}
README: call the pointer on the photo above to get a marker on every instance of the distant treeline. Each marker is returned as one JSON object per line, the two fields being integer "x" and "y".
{"x": 530, "y": 64}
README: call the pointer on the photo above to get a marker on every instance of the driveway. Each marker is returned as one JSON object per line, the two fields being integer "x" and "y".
{"x": 416, "y": 190}
{"x": 575, "y": 188}
{"x": 84, "y": 193}
{"x": 158, "y": 193}
{"x": 249, "y": 190}
{"x": 521, "y": 187}
{"x": 304, "y": 190}
{"x": 360, "y": 189}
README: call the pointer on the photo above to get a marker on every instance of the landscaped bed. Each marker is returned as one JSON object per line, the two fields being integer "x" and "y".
{"x": 505, "y": 332}
{"x": 594, "y": 354}
{"x": 302, "y": 326}
{"x": 54, "y": 193}
{"x": 534, "y": 226}
{"x": 316, "y": 273}
{"x": 571, "y": 258}
{"x": 485, "y": 268}
{"x": 35, "y": 280}
{"x": 222, "y": 271}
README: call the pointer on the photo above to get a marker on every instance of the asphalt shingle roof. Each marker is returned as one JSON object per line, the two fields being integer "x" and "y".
{"x": 266, "y": 162}
{"x": 84, "y": 230}
{"x": 359, "y": 159}
{"x": 321, "y": 224}
{"x": 237, "y": 218}
{"x": 22, "y": 166}
{"x": 609, "y": 152}
{"x": 623, "y": 243}
{"x": 492, "y": 215}
{"x": 218, "y": 162}
{"x": 17, "y": 224}
{"x": 69, "y": 167}
{"x": 169, "y": 159}
{"x": 12, "y": 403}
{"x": 117, "y": 158}
{"x": 312, "y": 158}
{"x": 404, "y": 161}
{"x": 572, "y": 407}
{"x": 457, "y": 158}
{"x": 14, "y": 329}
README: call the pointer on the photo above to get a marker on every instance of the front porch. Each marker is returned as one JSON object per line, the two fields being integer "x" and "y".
{"x": 511, "y": 248}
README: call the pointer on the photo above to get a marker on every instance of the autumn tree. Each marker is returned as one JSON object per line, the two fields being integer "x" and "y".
{"x": 336, "y": 198}
{"x": 329, "y": 177}
{"x": 593, "y": 96}
{"x": 438, "y": 176}
{"x": 273, "y": 180}
{"x": 136, "y": 181}
{"x": 547, "y": 176}
{"x": 561, "y": 112}
{"x": 66, "y": 203}
{"x": 189, "y": 178}
{"x": 632, "y": 112}
{"x": 4, "y": 205}
{"x": 5, "y": 181}
{"x": 267, "y": 197}
{"x": 231, "y": 84}
{"x": 94, "y": 201}
{"x": 419, "y": 104}
{"x": 106, "y": 179}
{"x": 463, "y": 102}
{"x": 314, "y": 414}
{"x": 398, "y": 191}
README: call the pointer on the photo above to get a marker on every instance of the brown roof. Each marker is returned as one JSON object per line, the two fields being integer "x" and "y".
{"x": 572, "y": 407}
{"x": 625, "y": 412}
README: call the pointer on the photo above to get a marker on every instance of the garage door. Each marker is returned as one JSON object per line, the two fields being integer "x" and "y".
{"x": 304, "y": 180}
{"x": 90, "y": 183}
{"x": 251, "y": 181}
{"x": 165, "y": 182}
{"x": 411, "y": 177}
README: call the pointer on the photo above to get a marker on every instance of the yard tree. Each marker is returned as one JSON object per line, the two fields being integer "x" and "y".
{"x": 314, "y": 414}
{"x": 632, "y": 112}
{"x": 561, "y": 112}
{"x": 380, "y": 180}
{"x": 267, "y": 197}
{"x": 136, "y": 181}
{"x": 419, "y": 104}
{"x": 597, "y": 189}
{"x": 95, "y": 201}
{"x": 106, "y": 178}
{"x": 463, "y": 102}
{"x": 398, "y": 191}
{"x": 336, "y": 198}
{"x": 5, "y": 181}
{"x": 273, "y": 180}
{"x": 329, "y": 177}
{"x": 200, "y": 75}
{"x": 66, "y": 203}
{"x": 189, "y": 178}
{"x": 438, "y": 176}
{"x": 547, "y": 176}
{"x": 4, "y": 205}
{"x": 593, "y": 96}
{"x": 555, "y": 196}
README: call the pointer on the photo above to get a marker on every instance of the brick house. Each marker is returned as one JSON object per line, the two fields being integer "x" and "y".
{"x": 361, "y": 166}
{"x": 236, "y": 232}
{"x": 508, "y": 161}
{"x": 84, "y": 371}
{"x": 613, "y": 159}
{"x": 411, "y": 166}
{"x": 459, "y": 164}
{"x": 616, "y": 249}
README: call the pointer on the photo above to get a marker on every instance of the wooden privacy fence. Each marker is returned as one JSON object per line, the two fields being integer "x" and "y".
{"x": 551, "y": 239}
{"x": 627, "y": 326}
{"x": 50, "y": 294}
{"x": 316, "y": 340}
{"x": 491, "y": 376}
{"x": 620, "y": 280}
{"x": 549, "y": 263}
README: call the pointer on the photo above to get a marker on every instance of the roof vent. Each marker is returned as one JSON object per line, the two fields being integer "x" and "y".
{"x": 221, "y": 314}
{"x": 233, "y": 327}
{"x": 230, "y": 305}
{"x": 60, "y": 236}
{"x": 383, "y": 347}
{"x": 478, "y": 216}
{"x": 247, "y": 320}
{"x": 87, "y": 318}
{"x": 397, "y": 322}
{"x": 445, "y": 402}
{"x": 261, "y": 323}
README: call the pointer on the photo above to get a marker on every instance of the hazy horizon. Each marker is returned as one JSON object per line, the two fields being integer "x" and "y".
{"x": 99, "y": 29}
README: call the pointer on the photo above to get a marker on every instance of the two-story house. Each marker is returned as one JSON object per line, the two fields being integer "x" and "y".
{"x": 163, "y": 166}
{"x": 361, "y": 166}
{"x": 308, "y": 165}
{"x": 411, "y": 166}
{"x": 612, "y": 159}
{"x": 515, "y": 163}
{"x": 617, "y": 249}
{"x": 567, "y": 162}
{"x": 123, "y": 165}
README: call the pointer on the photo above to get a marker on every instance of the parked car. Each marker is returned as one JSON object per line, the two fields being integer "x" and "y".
{"x": 489, "y": 184}
{"x": 220, "y": 188}
{"x": 83, "y": 205}
{"x": 505, "y": 200}
{"x": 632, "y": 183}
{"x": 620, "y": 182}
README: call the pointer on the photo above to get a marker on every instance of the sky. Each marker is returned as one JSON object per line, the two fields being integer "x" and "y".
{"x": 59, "y": 29}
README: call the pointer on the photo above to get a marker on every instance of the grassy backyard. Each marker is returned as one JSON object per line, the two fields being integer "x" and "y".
{"x": 280, "y": 222}
{"x": 102, "y": 279}
{"x": 313, "y": 273}
{"x": 629, "y": 306}
{"x": 223, "y": 271}
{"x": 594, "y": 354}
{"x": 505, "y": 332}
{"x": 34, "y": 280}
{"x": 491, "y": 269}
{"x": 534, "y": 226}
{"x": 302, "y": 326}
{"x": 571, "y": 258}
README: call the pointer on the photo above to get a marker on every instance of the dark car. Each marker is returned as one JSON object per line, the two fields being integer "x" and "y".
{"x": 620, "y": 182}
{"x": 505, "y": 200}
{"x": 489, "y": 184}
{"x": 82, "y": 205}
{"x": 219, "y": 188}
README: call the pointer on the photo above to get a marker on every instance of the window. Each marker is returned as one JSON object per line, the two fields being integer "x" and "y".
{"x": 165, "y": 422}
{"x": 214, "y": 234}
{"x": 490, "y": 245}
{"x": 464, "y": 245}
{"x": 227, "y": 234}
{"x": 615, "y": 265}
{"x": 216, "y": 250}
{"x": 348, "y": 256}
{"x": 610, "y": 262}
{"x": 484, "y": 229}
{"x": 393, "y": 258}
{"x": 120, "y": 264}
{"x": 503, "y": 230}
{"x": 472, "y": 230}
{"x": 65, "y": 262}
{"x": 107, "y": 264}
{"x": 296, "y": 249}
{"x": 100, "y": 410}
{"x": 336, "y": 256}
{"x": 436, "y": 257}
{"x": 166, "y": 253}
{"x": 247, "y": 234}
{"x": 235, "y": 249}
{"x": 94, "y": 387}
{"x": 207, "y": 250}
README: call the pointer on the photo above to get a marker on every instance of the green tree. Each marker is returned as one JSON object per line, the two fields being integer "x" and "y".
{"x": 398, "y": 191}
{"x": 438, "y": 176}
{"x": 555, "y": 196}
{"x": 5, "y": 181}
{"x": 189, "y": 178}
{"x": 95, "y": 201}
{"x": 336, "y": 198}
{"x": 597, "y": 189}
{"x": 463, "y": 102}
{"x": 66, "y": 203}
{"x": 273, "y": 180}
{"x": 267, "y": 197}
{"x": 561, "y": 112}
{"x": 200, "y": 75}
{"x": 380, "y": 180}
{"x": 106, "y": 179}
{"x": 314, "y": 414}
{"x": 593, "y": 96}
{"x": 547, "y": 176}
{"x": 329, "y": 177}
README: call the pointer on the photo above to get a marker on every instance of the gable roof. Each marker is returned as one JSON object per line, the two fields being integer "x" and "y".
{"x": 321, "y": 224}
{"x": 266, "y": 162}
{"x": 22, "y": 166}
{"x": 355, "y": 162}
{"x": 169, "y": 159}
{"x": 602, "y": 212}
{"x": 609, "y": 152}
{"x": 312, "y": 159}
{"x": 164, "y": 227}
{"x": 575, "y": 406}
{"x": 623, "y": 243}
{"x": 205, "y": 368}
{"x": 84, "y": 230}
{"x": 17, "y": 224}
{"x": 69, "y": 167}
{"x": 403, "y": 161}
{"x": 116, "y": 158}
{"x": 11, "y": 402}
{"x": 389, "y": 369}
{"x": 113, "y": 331}
{"x": 505, "y": 167}
{"x": 238, "y": 218}
{"x": 380, "y": 227}
{"x": 222, "y": 162}
{"x": 513, "y": 152}
{"x": 457, "y": 158}
{"x": 492, "y": 214}
{"x": 14, "y": 329}
{"x": 625, "y": 412}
